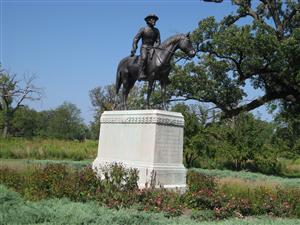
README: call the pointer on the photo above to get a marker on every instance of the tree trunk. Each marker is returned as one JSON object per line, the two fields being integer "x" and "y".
{"x": 7, "y": 121}
{"x": 5, "y": 130}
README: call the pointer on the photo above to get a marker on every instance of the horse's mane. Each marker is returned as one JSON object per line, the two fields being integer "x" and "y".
{"x": 170, "y": 40}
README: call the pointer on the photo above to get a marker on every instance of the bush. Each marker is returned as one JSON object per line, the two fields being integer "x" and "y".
{"x": 118, "y": 189}
{"x": 226, "y": 201}
{"x": 157, "y": 200}
{"x": 58, "y": 180}
{"x": 198, "y": 181}
{"x": 119, "y": 178}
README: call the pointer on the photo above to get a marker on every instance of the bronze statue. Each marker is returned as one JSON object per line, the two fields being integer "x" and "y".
{"x": 156, "y": 63}
{"x": 150, "y": 36}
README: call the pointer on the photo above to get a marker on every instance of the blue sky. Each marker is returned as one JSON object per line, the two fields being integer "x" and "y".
{"x": 75, "y": 46}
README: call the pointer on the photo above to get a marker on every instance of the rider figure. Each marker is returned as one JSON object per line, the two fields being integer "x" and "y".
{"x": 150, "y": 35}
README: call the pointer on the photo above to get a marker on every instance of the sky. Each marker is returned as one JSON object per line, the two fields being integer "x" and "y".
{"x": 75, "y": 46}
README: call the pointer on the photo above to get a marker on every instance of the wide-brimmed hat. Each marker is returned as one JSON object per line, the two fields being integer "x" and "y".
{"x": 151, "y": 16}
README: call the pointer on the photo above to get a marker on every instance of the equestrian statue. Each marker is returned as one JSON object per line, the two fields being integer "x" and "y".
{"x": 153, "y": 64}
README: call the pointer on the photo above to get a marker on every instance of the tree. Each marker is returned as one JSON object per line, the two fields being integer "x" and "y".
{"x": 191, "y": 128}
{"x": 25, "y": 122}
{"x": 287, "y": 135}
{"x": 13, "y": 93}
{"x": 198, "y": 139}
{"x": 265, "y": 53}
{"x": 246, "y": 136}
{"x": 65, "y": 122}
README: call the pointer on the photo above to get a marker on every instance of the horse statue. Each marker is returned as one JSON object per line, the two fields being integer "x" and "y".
{"x": 158, "y": 67}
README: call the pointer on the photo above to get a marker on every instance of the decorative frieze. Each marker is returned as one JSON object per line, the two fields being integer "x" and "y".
{"x": 132, "y": 118}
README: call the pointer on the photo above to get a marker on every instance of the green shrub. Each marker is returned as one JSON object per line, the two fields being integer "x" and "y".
{"x": 266, "y": 165}
{"x": 157, "y": 200}
{"x": 118, "y": 189}
{"x": 227, "y": 201}
{"x": 11, "y": 178}
{"x": 119, "y": 178}
{"x": 198, "y": 181}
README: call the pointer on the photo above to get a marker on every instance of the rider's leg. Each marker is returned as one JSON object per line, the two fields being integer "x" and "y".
{"x": 142, "y": 63}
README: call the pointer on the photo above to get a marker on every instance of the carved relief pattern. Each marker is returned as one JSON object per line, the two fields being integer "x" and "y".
{"x": 144, "y": 120}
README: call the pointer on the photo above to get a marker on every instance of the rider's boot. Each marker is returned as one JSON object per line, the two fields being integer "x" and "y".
{"x": 142, "y": 75}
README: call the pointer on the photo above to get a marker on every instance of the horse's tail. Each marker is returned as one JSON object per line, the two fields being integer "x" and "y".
{"x": 118, "y": 81}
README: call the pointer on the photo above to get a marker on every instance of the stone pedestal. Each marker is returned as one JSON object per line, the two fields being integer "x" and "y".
{"x": 149, "y": 140}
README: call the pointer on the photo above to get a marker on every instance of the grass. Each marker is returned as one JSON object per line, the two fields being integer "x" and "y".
{"x": 23, "y": 164}
{"x": 249, "y": 178}
{"x": 14, "y": 210}
{"x": 38, "y": 148}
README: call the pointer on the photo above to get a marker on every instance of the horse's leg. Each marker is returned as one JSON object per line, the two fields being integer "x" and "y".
{"x": 125, "y": 91}
{"x": 124, "y": 98}
{"x": 150, "y": 89}
{"x": 127, "y": 86}
{"x": 163, "y": 94}
{"x": 130, "y": 86}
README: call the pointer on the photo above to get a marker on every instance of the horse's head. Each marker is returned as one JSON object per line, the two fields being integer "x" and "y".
{"x": 186, "y": 46}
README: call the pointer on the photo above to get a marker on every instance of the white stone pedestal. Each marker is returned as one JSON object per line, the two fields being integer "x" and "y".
{"x": 149, "y": 140}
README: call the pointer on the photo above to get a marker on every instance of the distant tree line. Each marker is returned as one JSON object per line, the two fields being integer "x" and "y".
{"x": 63, "y": 122}
{"x": 18, "y": 120}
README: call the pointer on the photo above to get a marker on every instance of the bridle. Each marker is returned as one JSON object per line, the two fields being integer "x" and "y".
{"x": 162, "y": 49}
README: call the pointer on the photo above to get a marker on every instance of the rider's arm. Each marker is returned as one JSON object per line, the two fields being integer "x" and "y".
{"x": 136, "y": 39}
{"x": 158, "y": 38}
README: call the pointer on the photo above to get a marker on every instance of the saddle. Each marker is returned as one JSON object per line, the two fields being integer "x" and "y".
{"x": 150, "y": 56}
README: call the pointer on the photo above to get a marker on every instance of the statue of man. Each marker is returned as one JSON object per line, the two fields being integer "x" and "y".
{"x": 150, "y": 35}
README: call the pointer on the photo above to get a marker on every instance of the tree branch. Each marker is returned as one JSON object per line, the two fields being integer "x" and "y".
{"x": 252, "y": 105}
{"x": 289, "y": 17}
{"x": 246, "y": 5}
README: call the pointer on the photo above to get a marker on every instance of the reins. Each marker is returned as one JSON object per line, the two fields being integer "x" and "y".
{"x": 172, "y": 52}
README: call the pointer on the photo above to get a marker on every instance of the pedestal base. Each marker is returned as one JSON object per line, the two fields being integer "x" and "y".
{"x": 149, "y": 140}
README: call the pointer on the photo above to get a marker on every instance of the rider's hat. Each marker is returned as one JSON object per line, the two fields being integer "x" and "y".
{"x": 151, "y": 16}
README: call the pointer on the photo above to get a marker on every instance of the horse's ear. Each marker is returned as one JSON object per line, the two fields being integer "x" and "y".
{"x": 188, "y": 34}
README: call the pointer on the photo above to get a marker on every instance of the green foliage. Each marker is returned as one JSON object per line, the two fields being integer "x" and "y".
{"x": 287, "y": 135}
{"x": 118, "y": 177}
{"x": 37, "y": 148}
{"x": 230, "y": 200}
{"x": 198, "y": 181}
{"x": 243, "y": 142}
{"x": 203, "y": 215}
{"x": 14, "y": 210}
{"x": 263, "y": 53}
{"x": 58, "y": 180}
{"x": 117, "y": 189}
{"x": 191, "y": 129}
{"x": 25, "y": 123}
{"x": 65, "y": 122}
